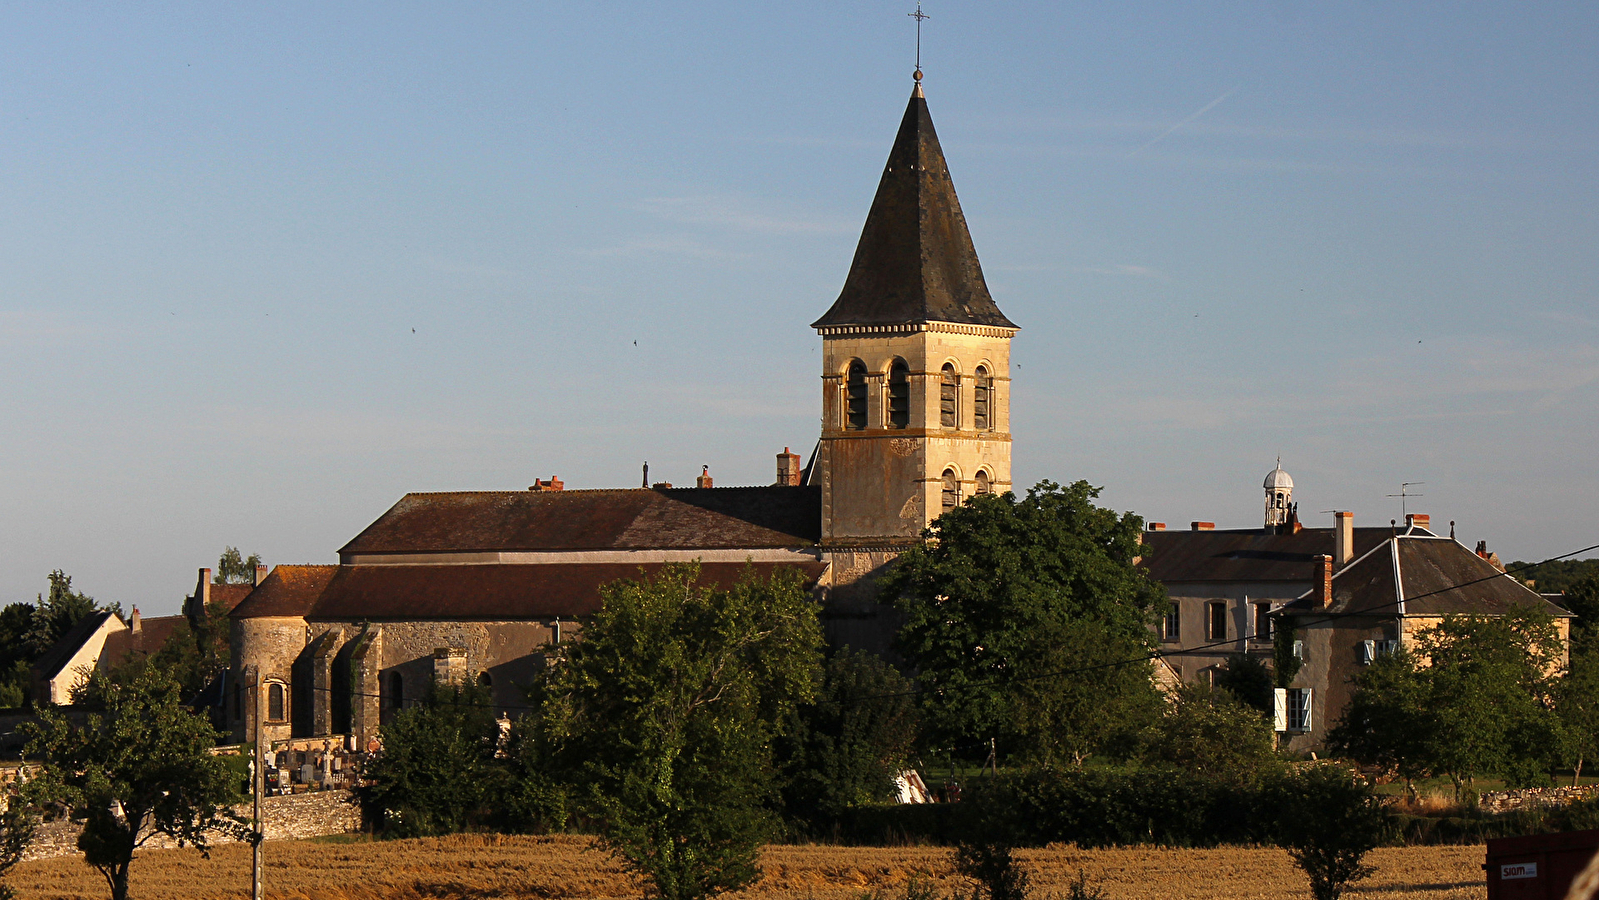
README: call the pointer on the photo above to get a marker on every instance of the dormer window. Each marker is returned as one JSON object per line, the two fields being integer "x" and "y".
{"x": 899, "y": 394}
{"x": 855, "y": 397}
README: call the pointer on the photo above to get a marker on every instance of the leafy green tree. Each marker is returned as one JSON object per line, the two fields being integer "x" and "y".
{"x": 138, "y": 767}
{"x": 665, "y": 716}
{"x": 1556, "y": 576}
{"x": 1329, "y": 820}
{"x": 1387, "y": 720}
{"x": 1210, "y": 732}
{"x": 235, "y": 569}
{"x": 17, "y": 823}
{"x": 1582, "y": 598}
{"x": 1578, "y": 702}
{"x": 16, "y": 620}
{"x": 1248, "y": 679}
{"x": 1020, "y": 618}
{"x": 437, "y": 772}
{"x": 56, "y": 613}
{"x": 845, "y": 748}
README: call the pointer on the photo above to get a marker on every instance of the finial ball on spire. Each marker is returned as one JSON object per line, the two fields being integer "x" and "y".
{"x": 917, "y": 74}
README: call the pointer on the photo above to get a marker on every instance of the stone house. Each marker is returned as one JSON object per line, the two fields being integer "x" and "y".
{"x": 484, "y": 585}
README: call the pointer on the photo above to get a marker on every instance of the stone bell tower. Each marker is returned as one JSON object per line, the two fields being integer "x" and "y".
{"x": 915, "y": 360}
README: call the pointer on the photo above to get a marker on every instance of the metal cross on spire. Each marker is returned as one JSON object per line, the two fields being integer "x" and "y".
{"x": 918, "y": 15}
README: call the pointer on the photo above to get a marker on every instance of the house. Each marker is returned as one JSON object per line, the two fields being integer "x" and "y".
{"x": 486, "y": 585}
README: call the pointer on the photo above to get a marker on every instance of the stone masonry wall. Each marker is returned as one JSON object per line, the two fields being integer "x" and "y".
{"x": 290, "y": 817}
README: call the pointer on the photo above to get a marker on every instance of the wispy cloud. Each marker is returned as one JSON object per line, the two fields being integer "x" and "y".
{"x": 740, "y": 215}
{"x": 1174, "y": 129}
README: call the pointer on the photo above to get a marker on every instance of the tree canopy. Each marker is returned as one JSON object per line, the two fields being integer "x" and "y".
{"x": 1021, "y": 616}
{"x": 232, "y": 568}
{"x": 663, "y": 719}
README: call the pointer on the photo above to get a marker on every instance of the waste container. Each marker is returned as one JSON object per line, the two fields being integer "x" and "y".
{"x": 1538, "y": 866}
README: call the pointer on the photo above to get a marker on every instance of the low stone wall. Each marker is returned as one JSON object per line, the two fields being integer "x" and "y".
{"x": 1525, "y": 798}
{"x": 290, "y": 817}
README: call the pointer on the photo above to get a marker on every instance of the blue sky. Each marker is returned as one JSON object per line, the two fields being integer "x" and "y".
{"x": 1358, "y": 235}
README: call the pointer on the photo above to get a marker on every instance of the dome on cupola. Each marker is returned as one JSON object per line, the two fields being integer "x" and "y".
{"x": 1277, "y": 479}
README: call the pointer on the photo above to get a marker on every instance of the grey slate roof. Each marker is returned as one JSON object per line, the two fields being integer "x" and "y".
{"x": 1245, "y": 555}
{"x": 915, "y": 261}
{"x": 631, "y": 519}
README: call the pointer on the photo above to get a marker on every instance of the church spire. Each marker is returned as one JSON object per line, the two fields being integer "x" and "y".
{"x": 915, "y": 262}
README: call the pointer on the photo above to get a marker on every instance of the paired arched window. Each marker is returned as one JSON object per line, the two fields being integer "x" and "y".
{"x": 276, "y": 702}
{"x": 983, "y": 485}
{"x": 952, "y": 490}
{"x": 982, "y": 400}
{"x": 948, "y": 397}
{"x": 855, "y": 397}
{"x": 899, "y": 394}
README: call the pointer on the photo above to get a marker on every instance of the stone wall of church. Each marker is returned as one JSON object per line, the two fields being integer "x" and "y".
{"x": 849, "y": 591}
{"x": 265, "y": 649}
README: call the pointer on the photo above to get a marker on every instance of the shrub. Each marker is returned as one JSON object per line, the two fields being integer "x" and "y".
{"x": 1329, "y": 820}
{"x": 437, "y": 772}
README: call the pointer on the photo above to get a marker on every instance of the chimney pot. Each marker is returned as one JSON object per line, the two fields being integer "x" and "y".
{"x": 134, "y": 624}
{"x": 260, "y": 575}
{"x": 1157, "y": 526}
{"x": 788, "y": 468}
{"x": 1418, "y": 520}
{"x": 1203, "y": 526}
{"x": 1343, "y": 538}
{"x": 554, "y": 484}
{"x": 704, "y": 481}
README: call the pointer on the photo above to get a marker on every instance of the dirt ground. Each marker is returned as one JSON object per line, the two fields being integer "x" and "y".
{"x": 481, "y": 866}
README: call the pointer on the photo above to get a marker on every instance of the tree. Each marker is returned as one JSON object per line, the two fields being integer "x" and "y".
{"x": 138, "y": 767}
{"x": 846, "y": 747}
{"x": 1210, "y": 732}
{"x": 665, "y": 715}
{"x": 1578, "y": 702}
{"x": 55, "y": 614}
{"x": 234, "y": 569}
{"x": 1027, "y": 620}
{"x": 1329, "y": 820}
{"x": 1582, "y": 598}
{"x": 17, "y": 823}
{"x": 437, "y": 771}
{"x": 1247, "y": 679}
{"x": 1387, "y": 720}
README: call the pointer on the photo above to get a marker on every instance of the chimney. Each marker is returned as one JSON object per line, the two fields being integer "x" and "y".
{"x": 260, "y": 575}
{"x": 1202, "y": 526}
{"x": 1157, "y": 526}
{"x": 1343, "y": 538}
{"x": 1323, "y": 579}
{"x": 202, "y": 594}
{"x": 788, "y": 468}
{"x": 134, "y": 624}
{"x": 554, "y": 484}
{"x": 1418, "y": 520}
{"x": 704, "y": 481}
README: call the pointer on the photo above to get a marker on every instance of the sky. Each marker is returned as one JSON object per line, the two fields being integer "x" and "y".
{"x": 265, "y": 268}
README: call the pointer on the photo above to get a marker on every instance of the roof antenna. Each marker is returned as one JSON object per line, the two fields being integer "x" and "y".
{"x": 918, "y": 15}
{"x": 646, "y": 474}
{"x": 1403, "y": 495}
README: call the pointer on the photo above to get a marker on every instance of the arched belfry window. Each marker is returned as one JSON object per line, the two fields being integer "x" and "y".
{"x": 982, "y": 397}
{"x": 983, "y": 485}
{"x": 948, "y": 394}
{"x": 952, "y": 490}
{"x": 899, "y": 394}
{"x": 855, "y": 397}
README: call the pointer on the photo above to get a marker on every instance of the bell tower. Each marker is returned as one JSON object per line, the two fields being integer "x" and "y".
{"x": 915, "y": 360}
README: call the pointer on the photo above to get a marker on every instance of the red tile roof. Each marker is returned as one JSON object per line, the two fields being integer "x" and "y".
{"x": 153, "y": 634}
{"x": 230, "y": 595}
{"x": 633, "y": 519}
{"x": 502, "y": 592}
{"x": 288, "y": 591}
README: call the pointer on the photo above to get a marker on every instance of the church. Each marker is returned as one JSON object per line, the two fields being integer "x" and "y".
{"x": 485, "y": 585}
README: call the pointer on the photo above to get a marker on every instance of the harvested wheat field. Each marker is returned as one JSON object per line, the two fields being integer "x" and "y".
{"x": 474, "y": 866}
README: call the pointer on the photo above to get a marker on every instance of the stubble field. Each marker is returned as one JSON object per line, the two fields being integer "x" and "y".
{"x": 481, "y": 866}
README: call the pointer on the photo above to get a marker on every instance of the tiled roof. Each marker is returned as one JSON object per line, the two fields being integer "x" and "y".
{"x": 502, "y": 592}
{"x": 1245, "y": 555}
{"x": 153, "y": 633}
{"x": 1439, "y": 576}
{"x": 230, "y": 595}
{"x": 633, "y": 519}
{"x": 915, "y": 261}
{"x": 50, "y": 661}
{"x": 287, "y": 591}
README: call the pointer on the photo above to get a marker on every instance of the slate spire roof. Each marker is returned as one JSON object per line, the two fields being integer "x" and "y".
{"x": 915, "y": 261}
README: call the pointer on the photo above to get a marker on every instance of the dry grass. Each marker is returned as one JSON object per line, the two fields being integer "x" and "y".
{"x": 481, "y": 866}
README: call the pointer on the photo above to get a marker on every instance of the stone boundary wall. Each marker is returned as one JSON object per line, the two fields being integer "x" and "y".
{"x": 1527, "y": 798}
{"x": 290, "y": 817}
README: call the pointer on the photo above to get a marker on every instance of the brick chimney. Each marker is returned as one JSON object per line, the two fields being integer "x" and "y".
{"x": 1157, "y": 526}
{"x": 261, "y": 574}
{"x": 1418, "y": 520}
{"x": 704, "y": 480}
{"x": 1343, "y": 538}
{"x": 788, "y": 468}
{"x": 1202, "y": 526}
{"x": 554, "y": 484}
{"x": 135, "y": 625}
{"x": 1323, "y": 582}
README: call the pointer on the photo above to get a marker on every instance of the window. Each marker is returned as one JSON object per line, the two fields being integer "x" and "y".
{"x": 394, "y": 698}
{"x": 1292, "y": 707}
{"x": 1172, "y": 628}
{"x": 1262, "y": 621}
{"x": 1371, "y": 651}
{"x": 983, "y": 486}
{"x": 485, "y": 680}
{"x": 899, "y": 394}
{"x": 952, "y": 490}
{"x": 1216, "y": 621}
{"x": 275, "y": 702}
{"x": 948, "y": 393}
{"x": 981, "y": 396}
{"x": 855, "y": 397}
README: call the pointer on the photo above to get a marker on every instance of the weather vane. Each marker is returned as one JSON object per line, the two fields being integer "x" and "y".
{"x": 918, "y": 15}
